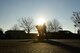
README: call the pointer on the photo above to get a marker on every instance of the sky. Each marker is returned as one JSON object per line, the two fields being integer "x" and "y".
{"x": 62, "y": 10}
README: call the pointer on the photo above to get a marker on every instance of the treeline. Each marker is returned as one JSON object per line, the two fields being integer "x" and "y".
{"x": 18, "y": 34}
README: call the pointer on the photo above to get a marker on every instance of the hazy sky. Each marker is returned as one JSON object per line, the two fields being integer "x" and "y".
{"x": 12, "y": 10}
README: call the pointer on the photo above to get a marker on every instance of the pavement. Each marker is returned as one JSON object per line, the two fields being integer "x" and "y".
{"x": 34, "y": 46}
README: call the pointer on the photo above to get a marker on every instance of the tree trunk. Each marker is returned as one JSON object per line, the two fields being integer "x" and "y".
{"x": 28, "y": 31}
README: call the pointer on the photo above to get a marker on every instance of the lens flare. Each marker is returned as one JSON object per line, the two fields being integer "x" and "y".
{"x": 40, "y": 21}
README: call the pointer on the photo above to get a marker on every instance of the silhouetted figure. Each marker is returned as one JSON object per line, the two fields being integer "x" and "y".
{"x": 39, "y": 29}
{"x": 42, "y": 31}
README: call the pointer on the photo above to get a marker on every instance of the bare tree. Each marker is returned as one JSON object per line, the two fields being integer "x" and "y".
{"x": 15, "y": 27}
{"x": 76, "y": 19}
{"x": 54, "y": 26}
{"x": 26, "y": 24}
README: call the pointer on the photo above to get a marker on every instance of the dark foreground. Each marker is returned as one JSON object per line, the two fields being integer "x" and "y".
{"x": 46, "y": 46}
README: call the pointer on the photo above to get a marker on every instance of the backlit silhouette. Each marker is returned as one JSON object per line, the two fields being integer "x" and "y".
{"x": 41, "y": 31}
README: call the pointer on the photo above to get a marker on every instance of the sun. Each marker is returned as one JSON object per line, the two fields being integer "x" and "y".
{"x": 40, "y": 21}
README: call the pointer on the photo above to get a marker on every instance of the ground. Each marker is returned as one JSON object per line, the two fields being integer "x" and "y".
{"x": 34, "y": 46}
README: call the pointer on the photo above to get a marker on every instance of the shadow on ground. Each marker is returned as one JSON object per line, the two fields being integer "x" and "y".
{"x": 70, "y": 48}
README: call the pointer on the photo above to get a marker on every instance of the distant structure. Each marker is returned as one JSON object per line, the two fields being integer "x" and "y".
{"x": 1, "y": 34}
{"x": 78, "y": 31}
{"x": 13, "y": 34}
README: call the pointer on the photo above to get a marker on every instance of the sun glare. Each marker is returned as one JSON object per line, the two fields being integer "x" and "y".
{"x": 40, "y": 21}
{"x": 37, "y": 34}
